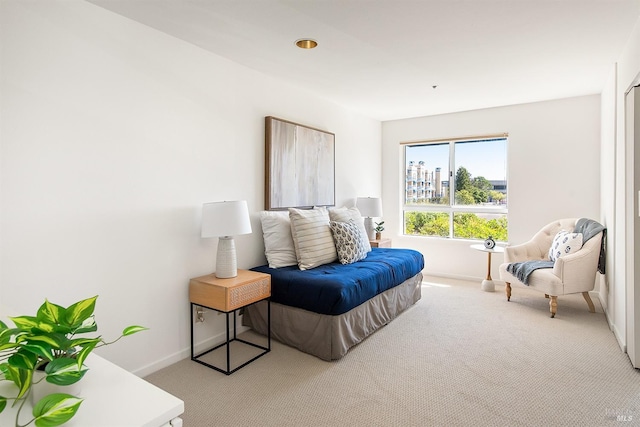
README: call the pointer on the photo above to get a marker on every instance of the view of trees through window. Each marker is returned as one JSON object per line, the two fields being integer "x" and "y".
{"x": 479, "y": 187}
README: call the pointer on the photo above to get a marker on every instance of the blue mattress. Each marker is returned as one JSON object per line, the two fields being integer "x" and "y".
{"x": 336, "y": 288}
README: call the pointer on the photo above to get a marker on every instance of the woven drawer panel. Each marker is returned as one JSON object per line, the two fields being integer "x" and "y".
{"x": 249, "y": 293}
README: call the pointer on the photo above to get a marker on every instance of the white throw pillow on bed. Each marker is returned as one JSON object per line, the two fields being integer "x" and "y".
{"x": 345, "y": 214}
{"x": 348, "y": 241}
{"x": 312, "y": 237}
{"x": 278, "y": 242}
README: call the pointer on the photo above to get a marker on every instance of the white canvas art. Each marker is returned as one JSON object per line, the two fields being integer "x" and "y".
{"x": 300, "y": 165}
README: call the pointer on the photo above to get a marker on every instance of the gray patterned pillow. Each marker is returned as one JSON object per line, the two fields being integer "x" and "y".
{"x": 344, "y": 215}
{"x": 348, "y": 242}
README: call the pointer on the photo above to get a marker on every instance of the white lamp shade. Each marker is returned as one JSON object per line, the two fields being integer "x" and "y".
{"x": 369, "y": 206}
{"x": 225, "y": 219}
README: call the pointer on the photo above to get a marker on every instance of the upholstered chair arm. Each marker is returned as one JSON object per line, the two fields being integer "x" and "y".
{"x": 577, "y": 271}
{"x": 523, "y": 252}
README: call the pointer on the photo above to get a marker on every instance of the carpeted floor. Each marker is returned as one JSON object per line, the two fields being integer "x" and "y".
{"x": 459, "y": 357}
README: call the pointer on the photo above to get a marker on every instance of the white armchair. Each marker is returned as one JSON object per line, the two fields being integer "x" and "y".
{"x": 572, "y": 273}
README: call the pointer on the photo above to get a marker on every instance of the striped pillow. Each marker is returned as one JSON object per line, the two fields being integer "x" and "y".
{"x": 312, "y": 237}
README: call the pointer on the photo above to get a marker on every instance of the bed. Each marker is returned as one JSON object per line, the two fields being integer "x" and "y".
{"x": 326, "y": 310}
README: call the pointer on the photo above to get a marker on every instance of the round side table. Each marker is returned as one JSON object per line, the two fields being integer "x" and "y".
{"x": 487, "y": 284}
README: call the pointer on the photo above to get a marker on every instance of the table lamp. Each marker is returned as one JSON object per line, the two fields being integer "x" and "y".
{"x": 369, "y": 207}
{"x": 225, "y": 220}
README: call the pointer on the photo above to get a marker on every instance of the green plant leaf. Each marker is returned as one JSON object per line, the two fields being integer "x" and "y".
{"x": 23, "y": 360}
{"x": 7, "y": 346}
{"x": 130, "y": 330}
{"x": 21, "y": 378}
{"x": 64, "y": 371}
{"x": 55, "y": 409}
{"x": 80, "y": 311}
{"x": 5, "y": 335}
{"x": 4, "y": 368}
{"x": 81, "y": 342}
{"x": 44, "y": 339}
{"x": 25, "y": 322}
{"x": 87, "y": 347}
{"x": 60, "y": 329}
{"x": 39, "y": 349}
{"x": 89, "y": 325}
{"x": 30, "y": 323}
{"x": 51, "y": 313}
{"x": 3, "y": 403}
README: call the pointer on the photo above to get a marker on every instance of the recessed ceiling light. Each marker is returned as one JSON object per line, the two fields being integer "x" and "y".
{"x": 306, "y": 43}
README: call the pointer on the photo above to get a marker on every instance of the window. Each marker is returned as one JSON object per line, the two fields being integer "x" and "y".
{"x": 456, "y": 188}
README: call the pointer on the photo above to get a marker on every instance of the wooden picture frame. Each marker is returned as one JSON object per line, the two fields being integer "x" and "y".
{"x": 299, "y": 165}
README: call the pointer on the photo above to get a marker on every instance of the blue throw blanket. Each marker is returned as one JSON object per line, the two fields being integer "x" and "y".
{"x": 522, "y": 270}
{"x": 588, "y": 228}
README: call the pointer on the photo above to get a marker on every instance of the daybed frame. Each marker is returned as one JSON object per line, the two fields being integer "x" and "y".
{"x": 330, "y": 337}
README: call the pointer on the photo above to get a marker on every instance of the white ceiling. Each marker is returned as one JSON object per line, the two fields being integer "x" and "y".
{"x": 383, "y": 57}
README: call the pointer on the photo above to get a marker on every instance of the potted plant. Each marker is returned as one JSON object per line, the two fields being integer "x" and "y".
{"x": 50, "y": 341}
{"x": 379, "y": 228}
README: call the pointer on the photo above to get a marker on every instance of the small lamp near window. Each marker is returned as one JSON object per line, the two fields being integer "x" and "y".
{"x": 369, "y": 207}
{"x": 225, "y": 220}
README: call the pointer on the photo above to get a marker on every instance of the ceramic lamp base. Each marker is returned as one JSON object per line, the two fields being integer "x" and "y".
{"x": 368, "y": 225}
{"x": 226, "y": 263}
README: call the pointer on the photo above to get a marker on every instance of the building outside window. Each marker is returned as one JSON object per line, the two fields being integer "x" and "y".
{"x": 456, "y": 188}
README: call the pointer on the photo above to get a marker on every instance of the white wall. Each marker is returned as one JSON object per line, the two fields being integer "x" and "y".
{"x": 554, "y": 172}
{"x": 113, "y": 135}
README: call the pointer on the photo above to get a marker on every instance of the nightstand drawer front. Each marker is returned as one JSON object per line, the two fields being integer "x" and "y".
{"x": 250, "y": 293}
{"x": 230, "y": 294}
{"x": 381, "y": 243}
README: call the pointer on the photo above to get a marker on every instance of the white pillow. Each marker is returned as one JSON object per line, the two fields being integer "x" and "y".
{"x": 312, "y": 237}
{"x": 344, "y": 214}
{"x": 564, "y": 243}
{"x": 348, "y": 241}
{"x": 278, "y": 242}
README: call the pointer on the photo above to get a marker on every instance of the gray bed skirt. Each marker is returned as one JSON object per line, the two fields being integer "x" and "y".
{"x": 330, "y": 337}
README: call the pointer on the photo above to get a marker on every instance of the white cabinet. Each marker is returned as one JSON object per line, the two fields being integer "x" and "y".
{"x": 112, "y": 397}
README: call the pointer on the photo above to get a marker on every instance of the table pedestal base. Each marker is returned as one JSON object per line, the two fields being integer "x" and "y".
{"x": 488, "y": 286}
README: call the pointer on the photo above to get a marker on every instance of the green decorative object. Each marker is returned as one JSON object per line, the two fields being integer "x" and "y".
{"x": 49, "y": 342}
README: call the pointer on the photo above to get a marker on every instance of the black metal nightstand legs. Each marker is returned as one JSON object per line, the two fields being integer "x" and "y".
{"x": 229, "y": 371}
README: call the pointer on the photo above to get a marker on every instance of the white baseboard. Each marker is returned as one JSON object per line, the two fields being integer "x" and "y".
{"x": 457, "y": 277}
{"x": 185, "y": 353}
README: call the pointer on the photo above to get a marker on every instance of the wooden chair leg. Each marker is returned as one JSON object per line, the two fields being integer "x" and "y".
{"x": 507, "y": 289}
{"x": 587, "y": 298}
{"x": 553, "y": 305}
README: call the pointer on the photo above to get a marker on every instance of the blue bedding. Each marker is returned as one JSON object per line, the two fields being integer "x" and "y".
{"x": 336, "y": 288}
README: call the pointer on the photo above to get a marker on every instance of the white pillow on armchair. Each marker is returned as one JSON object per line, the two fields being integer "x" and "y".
{"x": 564, "y": 243}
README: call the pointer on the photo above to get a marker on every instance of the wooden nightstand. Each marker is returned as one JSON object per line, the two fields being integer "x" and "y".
{"x": 380, "y": 243}
{"x": 228, "y": 296}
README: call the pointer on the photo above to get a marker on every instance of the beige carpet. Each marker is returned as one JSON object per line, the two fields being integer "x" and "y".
{"x": 460, "y": 356}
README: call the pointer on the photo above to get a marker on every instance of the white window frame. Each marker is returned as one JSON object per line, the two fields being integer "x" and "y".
{"x": 451, "y": 208}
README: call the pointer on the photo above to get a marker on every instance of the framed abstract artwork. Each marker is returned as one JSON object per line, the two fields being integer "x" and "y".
{"x": 299, "y": 165}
